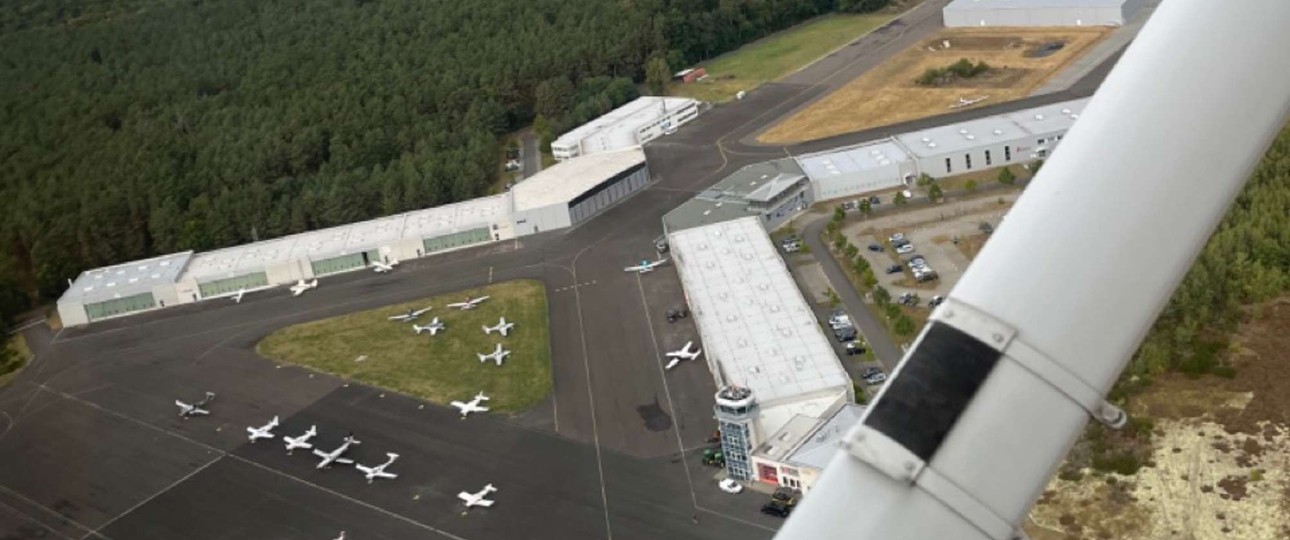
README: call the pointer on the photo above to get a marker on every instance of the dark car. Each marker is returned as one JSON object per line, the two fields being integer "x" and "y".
{"x": 777, "y": 509}
{"x": 986, "y": 227}
{"x": 875, "y": 200}
{"x": 674, "y": 314}
{"x": 787, "y": 496}
{"x": 935, "y": 301}
{"x": 899, "y": 243}
{"x": 854, "y": 348}
{"x": 869, "y": 372}
{"x": 845, "y": 334}
{"x": 894, "y": 269}
{"x": 875, "y": 247}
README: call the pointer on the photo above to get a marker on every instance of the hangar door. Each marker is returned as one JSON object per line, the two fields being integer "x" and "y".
{"x": 457, "y": 239}
{"x": 233, "y": 284}
{"x": 342, "y": 263}
{"x": 119, "y": 306}
{"x": 607, "y": 193}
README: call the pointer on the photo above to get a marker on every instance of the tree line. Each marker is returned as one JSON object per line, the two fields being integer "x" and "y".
{"x": 140, "y": 127}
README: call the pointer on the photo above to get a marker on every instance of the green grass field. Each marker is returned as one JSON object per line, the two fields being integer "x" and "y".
{"x": 777, "y": 55}
{"x": 439, "y": 368}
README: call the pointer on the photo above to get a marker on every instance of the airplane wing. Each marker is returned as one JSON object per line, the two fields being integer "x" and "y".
{"x": 365, "y": 469}
{"x": 183, "y": 405}
{"x": 420, "y": 311}
{"x": 483, "y": 502}
{"x": 459, "y": 405}
{"x": 398, "y": 317}
{"x": 672, "y": 363}
{"x": 466, "y": 497}
{"x": 384, "y": 474}
{"x": 199, "y": 411}
{"x": 320, "y": 453}
{"x": 675, "y": 354}
{"x": 343, "y": 461}
{"x": 633, "y": 268}
{"x": 458, "y": 304}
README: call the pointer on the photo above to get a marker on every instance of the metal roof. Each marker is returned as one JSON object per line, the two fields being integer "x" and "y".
{"x": 749, "y": 178}
{"x": 853, "y": 159}
{"x": 568, "y": 179}
{"x": 125, "y": 279}
{"x": 1031, "y": 4}
{"x": 347, "y": 239}
{"x": 753, "y": 321}
{"x": 620, "y": 125}
{"x": 772, "y": 188}
{"x": 816, "y": 450}
{"x": 973, "y": 134}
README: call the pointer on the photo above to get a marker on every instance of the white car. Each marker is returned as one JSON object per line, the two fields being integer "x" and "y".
{"x": 907, "y": 248}
{"x": 730, "y": 486}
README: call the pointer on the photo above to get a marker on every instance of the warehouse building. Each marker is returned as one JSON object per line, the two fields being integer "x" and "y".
{"x": 795, "y": 455}
{"x": 774, "y": 191}
{"x": 633, "y": 124}
{"x": 575, "y": 190}
{"x": 561, "y": 196}
{"x": 989, "y": 142}
{"x": 768, "y": 356}
{"x": 863, "y": 168}
{"x": 985, "y": 13}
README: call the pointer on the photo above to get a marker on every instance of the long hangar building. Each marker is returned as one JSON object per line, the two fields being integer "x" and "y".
{"x": 986, "y": 13}
{"x": 562, "y": 196}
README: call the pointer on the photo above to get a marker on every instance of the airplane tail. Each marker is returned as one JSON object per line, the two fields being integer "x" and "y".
{"x": 489, "y": 488}
{"x": 392, "y": 456}
{"x": 487, "y": 330}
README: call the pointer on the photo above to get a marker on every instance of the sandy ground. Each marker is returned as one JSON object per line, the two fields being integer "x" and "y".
{"x": 1221, "y": 453}
{"x": 888, "y": 94}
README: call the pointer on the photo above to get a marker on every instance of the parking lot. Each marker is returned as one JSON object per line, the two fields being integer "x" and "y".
{"x": 943, "y": 235}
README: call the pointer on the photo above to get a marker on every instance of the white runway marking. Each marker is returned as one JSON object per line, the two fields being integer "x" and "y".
{"x": 591, "y": 401}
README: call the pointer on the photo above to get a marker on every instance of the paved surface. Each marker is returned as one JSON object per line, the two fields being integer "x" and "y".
{"x": 530, "y": 154}
{"x": 1111, "y": 46}
{"x": 102, "y": 454}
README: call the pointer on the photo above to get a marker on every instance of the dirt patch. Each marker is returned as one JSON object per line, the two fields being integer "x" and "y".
{"x": 1219, "y": 464}
{"x": 1044, "y": 49}
{"x": 888, "y": 93}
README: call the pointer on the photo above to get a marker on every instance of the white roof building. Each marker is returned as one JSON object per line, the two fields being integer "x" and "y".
{"x": 567, "y": 180}
{"x": 634, "y": 123}
{"x": 757, "y": 330}
{"x": 126, "y": 279}
{"x": 987, "y": 13}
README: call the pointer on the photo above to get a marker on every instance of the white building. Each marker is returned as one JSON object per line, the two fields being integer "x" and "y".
{"x": 984, "y": 13}
{"x": 993, "y": 141}
{"x": 864, "y": 168}
{"x": 795, "y": 455}
{"x": 761, "y": 341}
{"x": 633, "y": 124}
{"x": 559, "y": 197}
{"x": 572, "y": 191}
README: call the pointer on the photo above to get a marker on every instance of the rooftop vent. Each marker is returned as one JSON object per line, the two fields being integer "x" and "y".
{"x": 931, "y": 145}
{"x": 926, "y": 139}
{"x": 998, "y": 132}
{"x": 1066, "y": 111}
{"x": 970, "y": 137}
{"x": 1074, "y": 116}
{"x": 1039, "y": 117}
{"x": 962, "y": 131}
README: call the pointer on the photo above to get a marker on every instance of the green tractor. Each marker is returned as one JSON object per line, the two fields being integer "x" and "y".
{"x": 713, "y": 457}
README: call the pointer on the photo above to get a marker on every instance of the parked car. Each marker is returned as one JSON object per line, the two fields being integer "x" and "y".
{"x": 850, "y": 205}
{"x": 935, "y": 301}
{"x": 875, "y": 200}
{"x": 788, "y": 496}
{"x": 730, "y": 486}
{"x": 869, "y": 372}
{"x": 777, "y": 509}
{"x": 896, "y": 238}
{"x": 660, "y": 244}
{"x": 986, "y": 227}
{"x": 876, "y": 248}
{"x": 854, "y": 348}
{"x": 907, "y": 248}
{"x": 791, "y": 247}
{"x": 901, "y": 242}
{"x": 876, "y": 378}
{"x": 675, "y": 314}
{"x": 894, "y": 269}
{"x": 845, "y": 334}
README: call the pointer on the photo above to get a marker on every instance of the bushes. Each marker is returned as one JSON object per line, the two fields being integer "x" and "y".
{"x": 963, "y": 69}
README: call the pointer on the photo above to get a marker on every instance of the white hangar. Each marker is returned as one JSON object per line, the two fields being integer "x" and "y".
{"x": 985, "y": 13}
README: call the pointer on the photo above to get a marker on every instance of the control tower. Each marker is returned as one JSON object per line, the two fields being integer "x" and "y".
{"x": 736, "y": 411}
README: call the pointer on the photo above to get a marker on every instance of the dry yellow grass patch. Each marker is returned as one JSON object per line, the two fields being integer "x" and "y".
{"x": 888, "y": 94}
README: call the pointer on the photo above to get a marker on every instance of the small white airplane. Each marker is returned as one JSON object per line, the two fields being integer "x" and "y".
{"x": 301, "y": 441}
{"x": 186, "y": 410}
{"x": 342, "y": 536}
{"x": 645, "y": 266}
{"x": 503, "y": 327}
{"x": 470, "y": 303}
{"x": 497, "y": 355}
{"x": 335, "y": 455}
{"x": 477, "y": 499}
{"x": 411, "y": 315}
{"x": 434, "y": 327}
{"x": 381, "y": 268}
{"x": 301, "y": 286}
{"x": 262, "y": 432}
{"x": 964, "y": 102}
{"x": 237, "y": 298}
{"x": 372, "y": 473}
{"x": 471, "y": 406}
{"x": 684, "y": 353}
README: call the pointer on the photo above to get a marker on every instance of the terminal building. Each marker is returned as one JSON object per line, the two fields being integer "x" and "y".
{"x": 769, "y": 357}
{"x": 633, "y": 124}
{"x": 561, "y": 196}
{"x": 986, "y": 13}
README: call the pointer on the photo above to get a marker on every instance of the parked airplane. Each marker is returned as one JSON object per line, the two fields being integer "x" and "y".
{"x": 685, "y": 353}
{"x": 372, "y": 473}
{"x": 262, "y": 432}
{"x": 964, "y": 102}
{"x": 471, "y": 406}
{"x": 301, "y": 441}
{"x": 672, "y": 363}
{"x": 381, "y": 268}
{"x": 645, "y": 266}
{"x": 502, "y": 326}
{"x": 237, "y": 298}
{"x": 434, "y": 327}
{"x": 411, "y": 315}
{"x": 477, "y": 499}
{"x": 342, "y": 536}
{"x": 186, "y": 410}
{"x": 335, "y": 455}
{"x": 301, "y": 286}
{"x": 469, "y": 303}
{"x": 497, "y": 355}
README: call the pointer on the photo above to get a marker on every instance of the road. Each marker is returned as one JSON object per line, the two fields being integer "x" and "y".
{"x": 529, "y": 151}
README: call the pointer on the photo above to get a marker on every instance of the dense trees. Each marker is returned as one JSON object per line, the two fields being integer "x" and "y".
{"x": 137, "y": 127}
